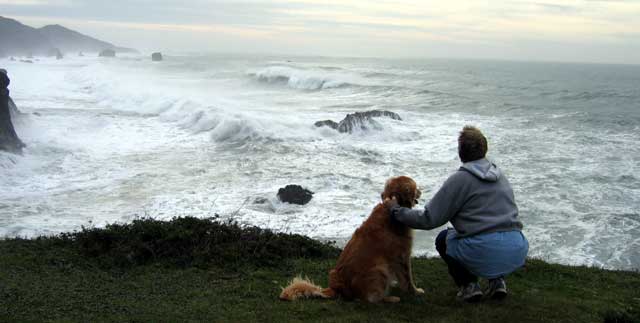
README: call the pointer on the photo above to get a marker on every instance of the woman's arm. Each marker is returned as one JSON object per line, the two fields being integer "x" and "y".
{"x": 442, "y": 207}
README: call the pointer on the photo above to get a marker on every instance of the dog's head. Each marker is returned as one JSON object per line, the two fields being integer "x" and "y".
{"x": 404, "y": 189}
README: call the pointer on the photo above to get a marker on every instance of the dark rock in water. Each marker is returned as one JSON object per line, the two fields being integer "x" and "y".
{"x": 13, "y": 59}
{"x": 9, "y": 140}
{"x": 80, "y": 54}
{"x": 295, "y": 194}
{"x": 27, "y": 61}
{"x": 156, "y": 57}
{"x": 359, "y": 121}
{"x": 59, "y": 56}
{"x": 327, "y": 123}
{"x": 107, "y": 53}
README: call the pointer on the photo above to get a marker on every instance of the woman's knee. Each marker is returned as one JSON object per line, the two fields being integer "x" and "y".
{"x": 441, "y": 242}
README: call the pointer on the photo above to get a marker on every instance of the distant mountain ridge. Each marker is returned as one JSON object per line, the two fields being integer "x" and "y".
{"x": 21, "y": 40}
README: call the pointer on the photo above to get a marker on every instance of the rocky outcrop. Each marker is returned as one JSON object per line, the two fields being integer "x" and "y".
{"x": 9, "y": 140}
{"x": 107, "y": 53}
{"x": 156, "y": 57}
{"x": 295, "y": 194}
{"x": 327, "y": 123}
{"x": 359, "y": 121}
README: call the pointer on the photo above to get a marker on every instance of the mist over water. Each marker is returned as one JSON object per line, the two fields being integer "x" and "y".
{"x": 116, "y": 139}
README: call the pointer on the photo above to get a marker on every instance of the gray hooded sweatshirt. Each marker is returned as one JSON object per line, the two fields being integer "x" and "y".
{"x": 476, "y": 199}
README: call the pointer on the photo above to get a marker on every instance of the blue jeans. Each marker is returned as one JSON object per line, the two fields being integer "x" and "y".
{"x": 489, "y": 255}
{"x": 461, "y": 276}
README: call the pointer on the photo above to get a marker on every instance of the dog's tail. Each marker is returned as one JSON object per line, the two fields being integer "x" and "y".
{"x": 304, "y": 288}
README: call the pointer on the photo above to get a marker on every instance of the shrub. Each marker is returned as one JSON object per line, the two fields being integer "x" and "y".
{"x": 189, "y": 241}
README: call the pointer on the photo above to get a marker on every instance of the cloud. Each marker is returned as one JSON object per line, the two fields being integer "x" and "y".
{"x": 35, "y": 2}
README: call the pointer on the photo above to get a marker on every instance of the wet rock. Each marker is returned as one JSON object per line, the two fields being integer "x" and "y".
{"x": 9, "y": 140}
{"x": 295, "y": 194}
{"x": 359, "y": 121}
{"x": 327, "y": 123}
{"x": 156, "y": 57}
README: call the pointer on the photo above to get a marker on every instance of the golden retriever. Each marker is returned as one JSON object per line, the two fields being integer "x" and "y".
{"x": 378, "y": 254}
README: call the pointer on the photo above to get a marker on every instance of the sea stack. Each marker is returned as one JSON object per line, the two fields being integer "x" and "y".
{"x": 9, "y": 140}
{"x": 156, "y": 57}
{"x": 295, "y": 194}
{"x": 55, "y": 52}
{"x": 358, "y": 121}
{"x": 107, "y": 53}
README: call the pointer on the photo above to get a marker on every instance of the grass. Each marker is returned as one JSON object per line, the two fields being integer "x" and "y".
{"x": 195, "y": 270}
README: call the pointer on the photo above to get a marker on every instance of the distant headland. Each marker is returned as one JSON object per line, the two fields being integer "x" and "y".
{"x": 18, "y": 39}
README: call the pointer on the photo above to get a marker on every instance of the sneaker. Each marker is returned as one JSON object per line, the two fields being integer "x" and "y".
{"x": 470, "y": 293}
{"x": 497, "y": 289}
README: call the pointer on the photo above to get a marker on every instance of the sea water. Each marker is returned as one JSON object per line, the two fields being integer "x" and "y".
{"x": 112, "y": 140}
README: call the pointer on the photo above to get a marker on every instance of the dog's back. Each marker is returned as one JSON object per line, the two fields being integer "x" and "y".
{"x": 370, "y": 255}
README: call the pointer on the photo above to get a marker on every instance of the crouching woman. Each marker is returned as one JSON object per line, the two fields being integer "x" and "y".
{"x": 486, "y": 240}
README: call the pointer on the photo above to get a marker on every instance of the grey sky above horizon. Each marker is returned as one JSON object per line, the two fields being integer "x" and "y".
{"x": 606, "y": 31}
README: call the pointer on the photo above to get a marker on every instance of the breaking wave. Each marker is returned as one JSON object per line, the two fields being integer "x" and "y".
{"x": 307, "y": 79}
{"x": 224, "y": 120}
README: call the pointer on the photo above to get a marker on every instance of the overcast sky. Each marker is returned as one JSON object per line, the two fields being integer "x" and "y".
{"x": 560, "y": 30}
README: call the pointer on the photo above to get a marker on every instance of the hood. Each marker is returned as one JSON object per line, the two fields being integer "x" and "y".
{"x": 483, "y": 169}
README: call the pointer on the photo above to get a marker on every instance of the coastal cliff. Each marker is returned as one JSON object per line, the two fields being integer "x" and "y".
{"x": 190, "y": 269}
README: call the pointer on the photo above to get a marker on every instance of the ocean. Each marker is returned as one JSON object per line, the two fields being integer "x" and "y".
{"x": 112, "y": 140}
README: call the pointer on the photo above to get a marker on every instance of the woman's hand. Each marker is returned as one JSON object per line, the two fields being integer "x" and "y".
{"x": 390, "y": 203}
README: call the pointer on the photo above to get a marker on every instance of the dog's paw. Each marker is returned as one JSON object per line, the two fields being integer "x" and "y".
{"x": 418, "y": 291}
{"x": 391, "y": 299}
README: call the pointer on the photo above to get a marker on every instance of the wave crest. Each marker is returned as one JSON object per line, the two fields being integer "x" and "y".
{"x": 306, "y": 79}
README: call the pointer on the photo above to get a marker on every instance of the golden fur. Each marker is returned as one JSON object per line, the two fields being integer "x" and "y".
{"x": 378, "y": 254}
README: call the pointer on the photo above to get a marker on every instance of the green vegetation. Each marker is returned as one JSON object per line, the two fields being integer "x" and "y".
{"x": 198, "y": 270}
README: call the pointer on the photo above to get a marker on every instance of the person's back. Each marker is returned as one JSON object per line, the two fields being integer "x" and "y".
{"x": 489, "y": 204}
